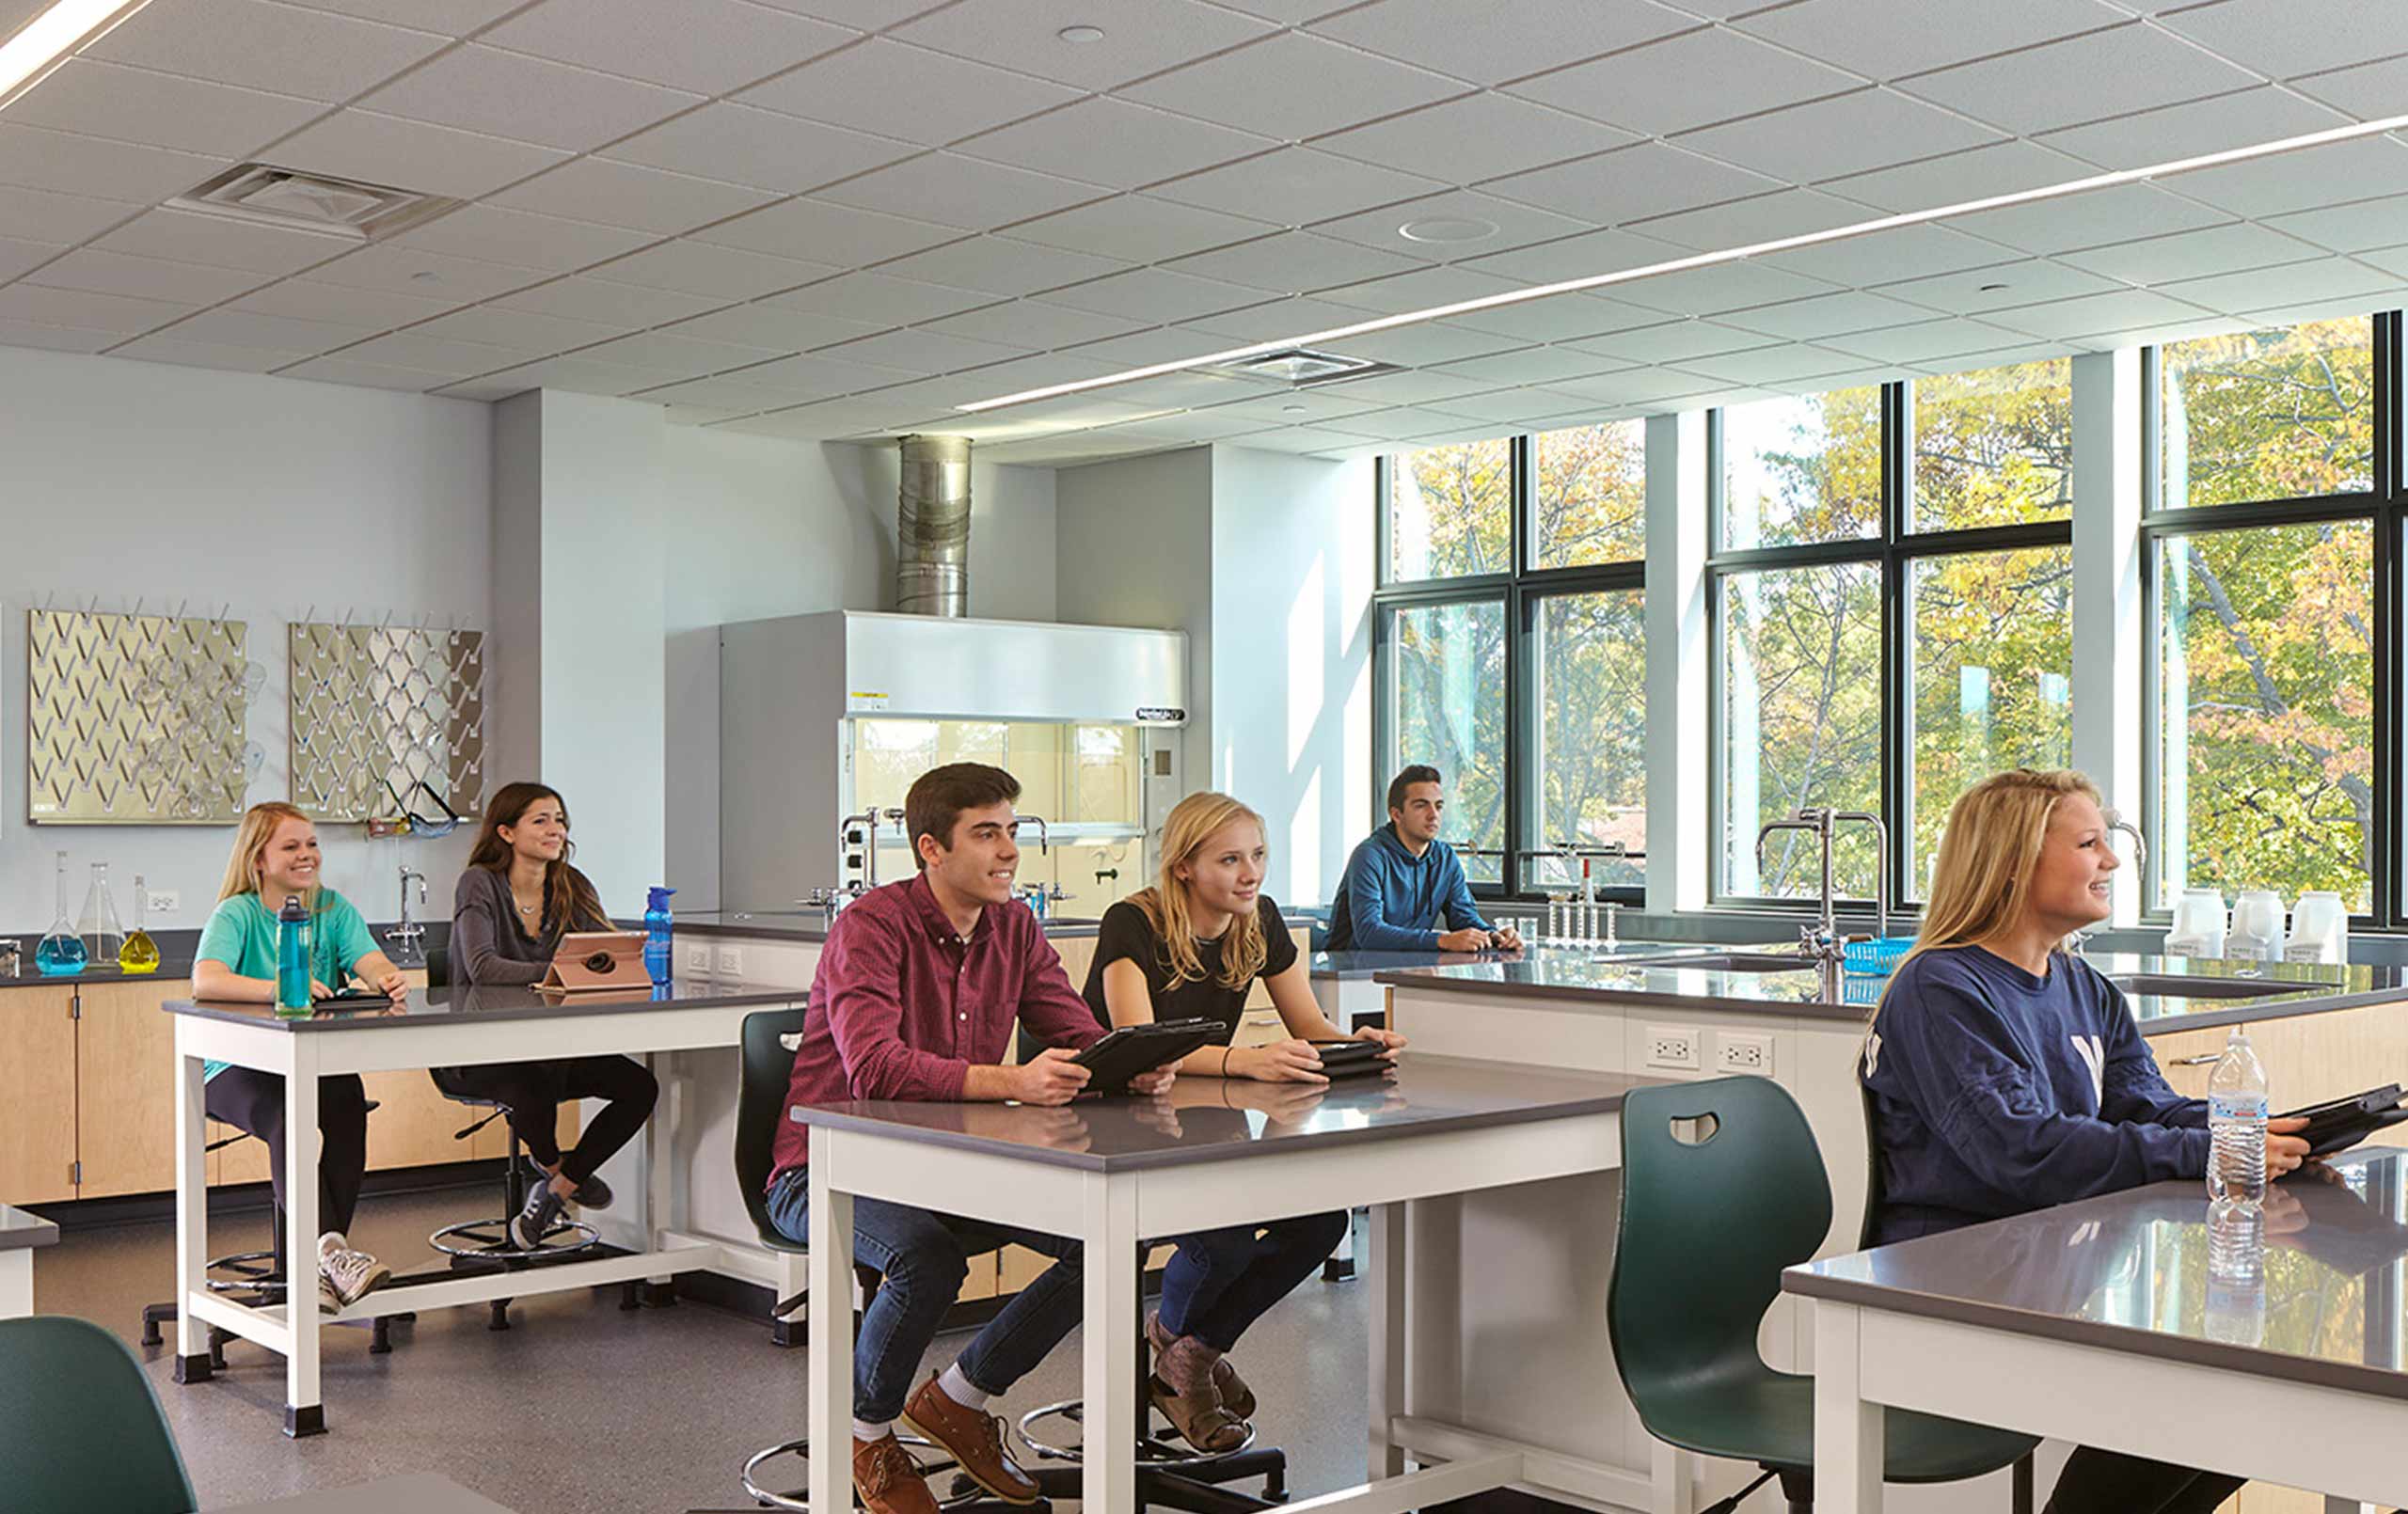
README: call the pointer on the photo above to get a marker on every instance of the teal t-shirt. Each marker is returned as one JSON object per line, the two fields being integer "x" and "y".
{"x": 241, "y": 934}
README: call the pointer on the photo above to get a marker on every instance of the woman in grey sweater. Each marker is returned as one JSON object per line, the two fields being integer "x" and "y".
{"x": 518, "y": 896}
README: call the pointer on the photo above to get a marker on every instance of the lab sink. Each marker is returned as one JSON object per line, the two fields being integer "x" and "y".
{"x": 2182, "y": 985}
{"x": 1739, "y": 962}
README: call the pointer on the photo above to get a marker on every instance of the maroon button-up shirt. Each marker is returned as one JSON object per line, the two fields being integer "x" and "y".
{"x": 902, "y": 1006}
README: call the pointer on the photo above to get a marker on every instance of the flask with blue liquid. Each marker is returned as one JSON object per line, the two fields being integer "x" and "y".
{"x": 657, "y": 958}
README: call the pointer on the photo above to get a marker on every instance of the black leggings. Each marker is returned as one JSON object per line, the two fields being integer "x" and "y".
{"x": 2110, "y": 1482}
{"x": 534, "y": 1092}
{"x": 254, "y": 1101}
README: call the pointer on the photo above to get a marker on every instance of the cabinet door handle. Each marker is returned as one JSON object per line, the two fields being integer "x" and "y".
{"x": 2205, "y": 1059}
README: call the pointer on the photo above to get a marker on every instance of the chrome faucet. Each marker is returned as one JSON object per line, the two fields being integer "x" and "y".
{"x": 408, "y": 938}
{"x": 1821, "y": 940}
{"x": 2116, "y": 821}
{"x": 1044, "y": 835}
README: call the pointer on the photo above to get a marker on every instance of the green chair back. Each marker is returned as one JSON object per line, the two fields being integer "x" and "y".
{"x": 1706, "y": 1228}
{"x": 80, "y": 1426}
{"x": 438, "y": 966}
{"x": 761, "y": 1109}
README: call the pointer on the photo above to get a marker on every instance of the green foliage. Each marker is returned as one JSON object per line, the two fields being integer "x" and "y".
{"x": 1994, "y": 448}
{"x": 1593, "y": 731}
{"x": 2268, "y": 415}
{"x": 1450, "y": 712}
{"x": 1450, "y": 510}
{"x": 1591, "y": 494}
{"x": 1802, "y": 470}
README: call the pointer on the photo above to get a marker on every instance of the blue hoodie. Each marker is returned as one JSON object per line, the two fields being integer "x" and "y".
{"x": 1392, "y": 901}
{"x": 1995, "y": 1093}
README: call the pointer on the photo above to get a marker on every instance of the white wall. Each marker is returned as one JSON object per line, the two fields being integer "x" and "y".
{"x": 262, "y": 495}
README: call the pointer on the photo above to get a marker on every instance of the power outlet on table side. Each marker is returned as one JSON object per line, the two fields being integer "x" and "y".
{"x": 1737, "y": 1052}
{"x": 1672, "y": 1047}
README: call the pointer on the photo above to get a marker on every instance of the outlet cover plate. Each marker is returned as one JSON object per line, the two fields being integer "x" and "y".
{"x": 1738, "y": 1051}
{"x": 1670, "y": 1046}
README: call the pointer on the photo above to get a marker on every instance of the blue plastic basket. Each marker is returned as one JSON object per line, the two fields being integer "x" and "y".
{"x": 1876, "y": 958}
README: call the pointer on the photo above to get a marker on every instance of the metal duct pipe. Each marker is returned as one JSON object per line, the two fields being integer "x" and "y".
{"x": 932, "y": 527}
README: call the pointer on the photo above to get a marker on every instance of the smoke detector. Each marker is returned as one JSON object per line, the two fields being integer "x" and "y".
{"x": 1301, "y": 367}
{"x": 354, "y": 211}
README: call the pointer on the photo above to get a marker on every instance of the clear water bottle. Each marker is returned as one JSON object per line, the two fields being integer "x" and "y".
{"x": 658, "y": 960}
{"x": 293, "y": 958}
{"x": 2237, "y": 1107}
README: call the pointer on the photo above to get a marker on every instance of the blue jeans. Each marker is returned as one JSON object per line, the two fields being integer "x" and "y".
{"x": 922, "y": 1257}
{"x": 1222, "y": 1281}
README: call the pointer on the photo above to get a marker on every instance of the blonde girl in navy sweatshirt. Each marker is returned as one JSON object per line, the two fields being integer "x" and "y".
{"x": 2006, "y": 1074}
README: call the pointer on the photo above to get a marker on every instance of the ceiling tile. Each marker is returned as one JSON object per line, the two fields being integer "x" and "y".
{"x": 1922, "y": 341}
{"x": 1654, "y": 90}
{"x": 1629, "y": 385}
{"x": 2090, "y": 219}
{"x": 129, "y": 104}
{"x": 1531, "y": 365}
{"x": 19, "y": 256}
{"x": 998, "y": 265}
{"x": 1414, "y": 387}
{"x": 433, "y": 355}
{"x": 370, "y": 310}
{"x": 825, "y": 232}
{"x": 1420, "y": 289}
{"x": 770, "y": 327}
{"x": 1145, "y": 36}
{"x": 2352, "y": 227}
{"x": 1429, "y": 343}
{"x": 1114, "y": 142}
{"x": 522, "y": 238}
{"x": 1772, "y": 365}
{"x": 1488, "y": 43}
{"x": 815, "y": 373}
{"x": 1152, "y": 295}
{"x": 1672, "y": 342}
{"x": 1518, "y": 407}
{"x": 526, "y": 100}
{"x": 1280, "y": 320}
{"x": 526, "y": 330}
{"x": 434, "y": 160}
{"x": 428, "y": 275}
{"x": 1139, "y": 228}
{"x": 86, "y": 310}
{"x": 1884, "y": 257}
{"x": 707, "y": 46}
{"x": 2295, "y": 36}
{"x": 963, "y": 192}
{"x": 2172, "y": 132}
{"x": 674, "y": 356}
{"x": 1958, "y": 178}
{"x": 1296, "y": 185}
{"x": 701, "y": 268}
{"x": 67, "y": 163}
{"x": 578, "y": 375}
{"x": 912, "y": 93}
{"x": 47, "y": 216}
{"x": 881, "y": 298}
{"x": 1140, "y": 349}
{"x": 1479, "y": 136}
{"x": 1292, "y": 87}
{"x": 1871, "y": 38}
{"x": 1292, "y": 262}
{"x": 921, "y": 351}
{"x": 1631, "y": 183}
{"x": 1284, "y": 405}
{"x": 2298, "y": 283}
{"x": 1826, "y": 139}
{"x": 2221, "y": 249}
{"x": 367, "y": 375}
{"x": 596, "y": 299}
{"x": 1981, "y": 290}
{"x": 1029, "y": 324}
{"x": 454, "y": 18}
{"x": 1582, "y": 256}
{"x": 1824, "y": 315}
{"x": 313, "y": 54}
{"x": 621, "y": 193}
{"x": 2303, "y": 179}
{"x": 2115, "y": 310}
{"x": 150, "y": 278}
{"x": 1722, "y": 286}
{"x": 2128, "y": 68}
{"x": 220, "y": 242}
{"x": 228, "y": 357}
{"x": 757, "y": 148}
{"x": 1512, "y": 225}
{"x": 1557, "y": 318}
{"x": 53, "y": 338}
{"x": 1740, "y": 223}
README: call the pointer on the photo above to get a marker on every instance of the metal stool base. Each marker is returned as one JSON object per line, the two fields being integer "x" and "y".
{"x": 489, "y": 1240}
{"x": 964, "y": 1491}
{"x": 1156, "y": 1451}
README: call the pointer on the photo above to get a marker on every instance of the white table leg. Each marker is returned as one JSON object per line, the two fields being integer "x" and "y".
{"x": 304, "y": 1413}
{"x": 192, "y": 1213}
{"x": 1383, "y": 1273}
{"x": 1848, "y": 1453}
{"x": 1674, "y": 1473}
{"x": 16, "y": 1283}
{"x": 830, "y": 1413}
{"x": 659, "y": 1152}
{"x": 1110, "y": 1426}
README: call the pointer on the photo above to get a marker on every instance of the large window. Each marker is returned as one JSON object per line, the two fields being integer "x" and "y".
{"x": 1994, "y": 448}
{"x": 2267, "y": 415}
{"x": 1801, "y": 470}
{"x": 1511, "y": 650}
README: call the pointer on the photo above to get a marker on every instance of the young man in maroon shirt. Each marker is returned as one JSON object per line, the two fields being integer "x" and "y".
{"x": 918, "y": 992}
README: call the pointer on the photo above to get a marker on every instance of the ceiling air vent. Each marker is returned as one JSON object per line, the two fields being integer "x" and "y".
{"x": 321, "y": 203}
{"x": 1301, "y": 367}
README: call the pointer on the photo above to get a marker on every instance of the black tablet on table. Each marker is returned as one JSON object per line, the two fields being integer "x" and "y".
{"x": 348, "y": 999}
{"x": 1352, "y": 1059}
{"x": 1133, "y": 1050}
{"x": 2339, "y": 1124}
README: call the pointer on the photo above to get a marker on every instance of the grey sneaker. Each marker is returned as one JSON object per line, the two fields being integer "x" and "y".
{"x": 536, "y": 1217}
{"x": 351, "y": 1274}
{"x": 592, "y": 1194}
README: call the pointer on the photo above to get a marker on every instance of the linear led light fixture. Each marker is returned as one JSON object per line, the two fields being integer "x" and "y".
{"x": 1709, "y": 259}
{"x": 49, "y": 38}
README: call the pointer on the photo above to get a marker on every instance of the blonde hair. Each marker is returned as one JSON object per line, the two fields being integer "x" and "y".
{"x": 242, "y": 872}
{"x": 1982, "y": 879}
{"x": 1192, "y": 823}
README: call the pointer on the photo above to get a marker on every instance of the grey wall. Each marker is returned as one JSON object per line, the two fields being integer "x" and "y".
{"x": 122, "y": 481}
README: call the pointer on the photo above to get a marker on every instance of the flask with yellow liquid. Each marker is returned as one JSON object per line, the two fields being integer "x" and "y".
{"x": 139, "y": 954}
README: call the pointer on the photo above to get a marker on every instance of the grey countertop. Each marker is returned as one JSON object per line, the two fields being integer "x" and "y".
{"x": 170, "y": 968}
{"x": 2128, "y": 1273}
{"x": 1212, "y": 1119}
{"x": 808, "y": 925}
{"x": 1635, "y": 978}
{"x": 23, "y": 1231}
{"x": 439, "y": 1005}
{"x": 1354, "y": 964}
{"x": 416, "y": 1492}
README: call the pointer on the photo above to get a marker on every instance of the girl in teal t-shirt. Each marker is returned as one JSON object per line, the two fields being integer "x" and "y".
{"x": 276, "y": 857}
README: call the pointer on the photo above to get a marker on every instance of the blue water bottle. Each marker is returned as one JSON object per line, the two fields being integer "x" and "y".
{"x": 293, "y": 957}
{"x": 657, "y": 957}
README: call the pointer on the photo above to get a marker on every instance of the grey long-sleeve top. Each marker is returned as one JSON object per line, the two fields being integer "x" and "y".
{"x": 488, "y": 945}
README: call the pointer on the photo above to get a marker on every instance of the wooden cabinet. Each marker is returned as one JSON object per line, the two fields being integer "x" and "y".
{"x": 125, "y": 1064}
{"x": 37, "y": 1094}
{"x": 2309, "y": 1058}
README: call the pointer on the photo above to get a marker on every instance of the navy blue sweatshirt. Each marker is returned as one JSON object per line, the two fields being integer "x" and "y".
{"x": 1392, "y": 901}
{"x": 1996, "y": 1093}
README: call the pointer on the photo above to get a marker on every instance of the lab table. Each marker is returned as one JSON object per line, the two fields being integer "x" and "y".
{"x": 20, "y": 1234}
{"x": 443, "y": 1026}
{"x": 1116, "y": 1172}
{"x": 2101, "y": 1323}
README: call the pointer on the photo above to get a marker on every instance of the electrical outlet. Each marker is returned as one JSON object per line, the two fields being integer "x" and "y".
{"x": 698, "y": 957}
{"x": 1737, "y": 1052}
{"x": 731, "y": 961}
{"x": 1670, "y": 1046}
{"x": 160, "y": 900}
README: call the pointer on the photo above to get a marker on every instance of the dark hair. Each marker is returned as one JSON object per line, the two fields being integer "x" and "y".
{"x": 570, "y": 900}
{"x": 939, "y": 796}
{"x": 1417, "y": 773}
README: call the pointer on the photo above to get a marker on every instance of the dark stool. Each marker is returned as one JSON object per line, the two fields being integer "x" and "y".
{"x": 471, "y": 1241}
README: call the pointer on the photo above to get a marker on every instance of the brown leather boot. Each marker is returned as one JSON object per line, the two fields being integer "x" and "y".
{"x": 888, "y": 1480}
{"x": 1235, "y": 1396}
{"x": 1200, "y": 1417}
{"x": 975, "y": 1439}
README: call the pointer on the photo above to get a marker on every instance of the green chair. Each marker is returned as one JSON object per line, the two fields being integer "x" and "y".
{"x": 80, "y": 1426}
{"x": 1722, "y": 1187}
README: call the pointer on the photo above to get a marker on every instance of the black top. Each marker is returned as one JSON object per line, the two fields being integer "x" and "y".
{"x": 1125, "y": 936}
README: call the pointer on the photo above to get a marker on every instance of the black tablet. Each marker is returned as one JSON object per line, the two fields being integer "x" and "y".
{"x": 1135, "y": 1051}
{"x": 1352, "y": 1059}
{"x": 2339, "y": 1124}
{"x": 349, "y": 997}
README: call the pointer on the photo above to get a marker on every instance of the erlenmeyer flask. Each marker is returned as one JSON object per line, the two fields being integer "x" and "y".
{"x": 139, "y": 954}
{"x": 104, "y": 934}
{"x": 60, "y": 954}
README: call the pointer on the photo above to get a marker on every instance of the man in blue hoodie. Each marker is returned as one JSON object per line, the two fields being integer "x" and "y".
{"x": 1404, "y": 890}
